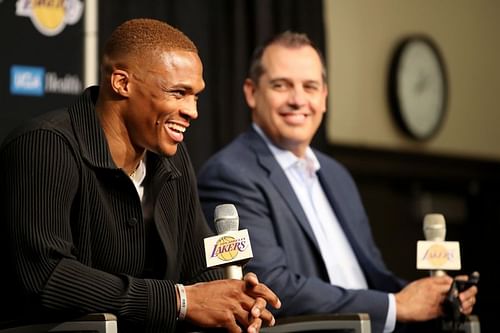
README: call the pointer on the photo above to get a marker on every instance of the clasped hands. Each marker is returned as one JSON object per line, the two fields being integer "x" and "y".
{"x": 231, "y": 304}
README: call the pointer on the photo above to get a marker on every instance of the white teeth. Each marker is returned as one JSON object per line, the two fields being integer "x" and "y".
{"x": 176, "y": 127}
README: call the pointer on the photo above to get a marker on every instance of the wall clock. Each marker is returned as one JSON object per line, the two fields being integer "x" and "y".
{"x": 418, "y": 87}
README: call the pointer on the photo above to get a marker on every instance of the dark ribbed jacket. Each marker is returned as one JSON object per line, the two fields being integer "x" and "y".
{"x": 73, "y": 238}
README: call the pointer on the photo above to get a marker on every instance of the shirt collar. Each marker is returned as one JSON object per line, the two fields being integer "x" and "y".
{"x": 286, "y": 159}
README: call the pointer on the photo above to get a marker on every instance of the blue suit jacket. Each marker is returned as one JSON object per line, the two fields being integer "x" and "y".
{"x": 286, "y": 254}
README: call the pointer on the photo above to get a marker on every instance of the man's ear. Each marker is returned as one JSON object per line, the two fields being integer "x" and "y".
{"x": 325, "y": 95}
{"x": 249, "y": 91}
{"x": 120, "y": 82}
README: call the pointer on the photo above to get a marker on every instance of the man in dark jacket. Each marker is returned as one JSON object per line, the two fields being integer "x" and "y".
{"x": 99, "y": 206}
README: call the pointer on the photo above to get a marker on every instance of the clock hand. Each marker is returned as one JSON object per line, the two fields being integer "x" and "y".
{"x": 421, "y": 83}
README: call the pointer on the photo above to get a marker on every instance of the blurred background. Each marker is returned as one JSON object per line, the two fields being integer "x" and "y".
{"x": 50, "y": 53}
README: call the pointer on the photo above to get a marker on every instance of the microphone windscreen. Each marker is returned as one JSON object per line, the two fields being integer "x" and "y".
{"x": 434, "y": 227}
{"x": 226, "y": 218}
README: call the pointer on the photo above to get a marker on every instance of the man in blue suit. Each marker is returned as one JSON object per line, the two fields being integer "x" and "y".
{"x": 310, "y": 235}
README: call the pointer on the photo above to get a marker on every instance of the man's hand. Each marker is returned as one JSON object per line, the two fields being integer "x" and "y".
{"x": 467, "y": 297}
{"x": 259, "y": 312}
{"x": 231, "y": 304}
{"x": 422, "y": 299}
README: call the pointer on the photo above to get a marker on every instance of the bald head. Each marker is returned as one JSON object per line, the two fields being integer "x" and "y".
{"x": 139, "y": 39}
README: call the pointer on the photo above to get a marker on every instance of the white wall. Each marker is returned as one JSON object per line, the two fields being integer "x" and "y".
{"x": 361, "y": 35}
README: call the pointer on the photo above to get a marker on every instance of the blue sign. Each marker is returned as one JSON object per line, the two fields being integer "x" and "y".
{"x": 27, "y": 80}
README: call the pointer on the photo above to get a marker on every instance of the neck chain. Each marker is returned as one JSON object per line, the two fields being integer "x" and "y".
{"x": 133, "y": 173}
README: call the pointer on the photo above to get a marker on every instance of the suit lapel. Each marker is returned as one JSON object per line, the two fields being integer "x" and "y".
{"x": 278, "y": 178}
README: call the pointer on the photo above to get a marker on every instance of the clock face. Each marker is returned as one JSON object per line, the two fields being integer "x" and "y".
{"x": 417, "y": 87}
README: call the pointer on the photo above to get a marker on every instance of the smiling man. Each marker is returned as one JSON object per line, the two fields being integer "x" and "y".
{"x": 99, "y": 206}
{"x": 311, "y": 238}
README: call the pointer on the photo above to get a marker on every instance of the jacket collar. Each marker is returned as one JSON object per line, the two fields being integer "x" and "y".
{"x": 92, "y": 140}
{"x": 88, "y": 131}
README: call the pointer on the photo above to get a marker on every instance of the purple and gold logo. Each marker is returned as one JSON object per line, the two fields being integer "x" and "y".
{"x": 227, "y": 248}
{"x": 437, "y": 255}
{"x": 50, "y": 17}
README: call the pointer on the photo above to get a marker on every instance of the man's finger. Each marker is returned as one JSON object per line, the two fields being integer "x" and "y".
{"x": 251, "y": 280}
{"x": 255, "y": 325}
{"x": 261, "y": 290}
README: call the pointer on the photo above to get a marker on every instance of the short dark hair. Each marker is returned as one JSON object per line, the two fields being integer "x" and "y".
{"x": 137, "y": 38}
{"x": 287, "y": 39}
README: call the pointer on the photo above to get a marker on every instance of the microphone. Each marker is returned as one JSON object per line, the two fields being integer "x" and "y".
{"x": 434, "y": 253}
{"x": 231, "y": 247}
{"x": 435, "y": 231}
{"x": 226, "y": 219}
{"x": 434, "y": 227}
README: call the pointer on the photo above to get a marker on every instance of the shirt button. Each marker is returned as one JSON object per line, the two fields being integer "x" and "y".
{"x": 132, "y": 222}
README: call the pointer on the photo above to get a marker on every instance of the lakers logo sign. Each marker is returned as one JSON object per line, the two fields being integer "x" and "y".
{"x": 438, "y": 255}
{"x": 228, "y": 247}
{"x": 50, "y": 17}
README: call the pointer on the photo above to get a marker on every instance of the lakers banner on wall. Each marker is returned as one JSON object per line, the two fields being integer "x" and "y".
{"x": 41, "y": 63}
